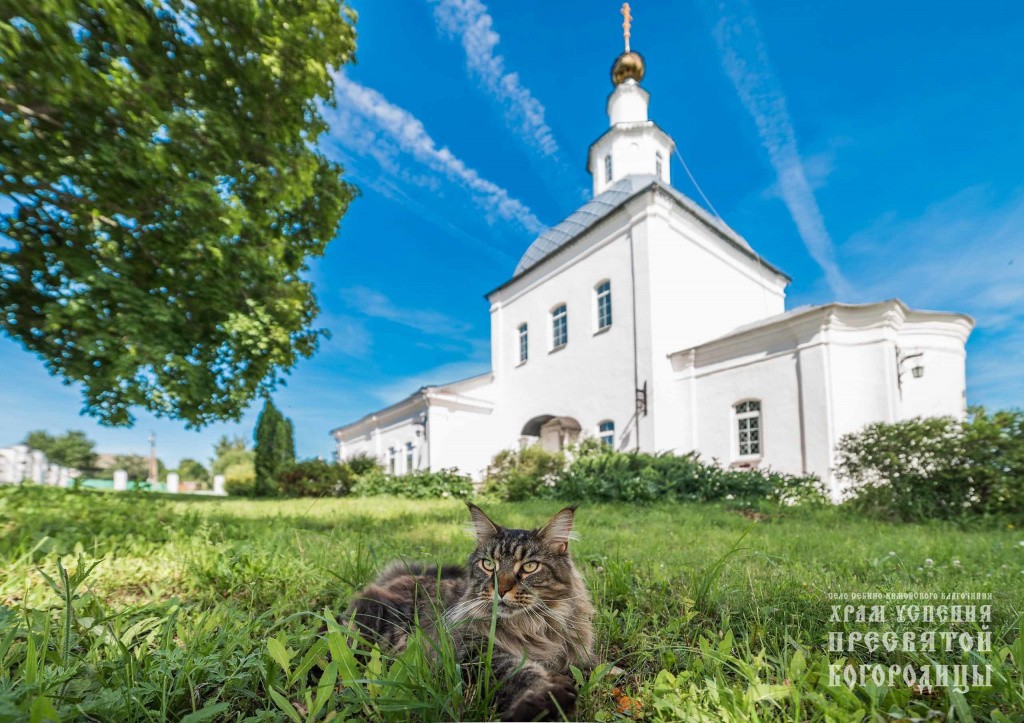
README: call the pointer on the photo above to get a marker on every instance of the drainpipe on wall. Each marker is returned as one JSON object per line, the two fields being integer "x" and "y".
{"x": 426, "y": 430}
{"x": 636, "y": 361}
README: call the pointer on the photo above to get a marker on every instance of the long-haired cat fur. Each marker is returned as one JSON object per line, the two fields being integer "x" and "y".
{"x": 544, "y": 612}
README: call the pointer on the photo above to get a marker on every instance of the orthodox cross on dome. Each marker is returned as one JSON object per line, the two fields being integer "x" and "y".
{"x": 627, "y": 21}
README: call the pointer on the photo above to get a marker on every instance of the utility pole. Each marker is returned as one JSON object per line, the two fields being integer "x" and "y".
{"x": 153, "y": 473}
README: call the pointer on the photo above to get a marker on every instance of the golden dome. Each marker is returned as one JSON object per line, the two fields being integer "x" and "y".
{"x": 628, "y": 65}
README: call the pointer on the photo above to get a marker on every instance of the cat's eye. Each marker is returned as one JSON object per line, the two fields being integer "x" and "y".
{"x": 487, "y": 565}
{"x": 529, "y": 567}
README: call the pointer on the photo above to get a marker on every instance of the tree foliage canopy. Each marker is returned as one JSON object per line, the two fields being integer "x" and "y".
{"x": 71, "y": 449}
{"x": 192, "y": 470}
{"x": 137, "y": 467}
{"x": 167, "y": 194}
{"x": 229, "y": 451}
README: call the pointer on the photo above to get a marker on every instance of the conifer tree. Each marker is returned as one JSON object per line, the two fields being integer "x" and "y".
{"x": 275, "y": 447}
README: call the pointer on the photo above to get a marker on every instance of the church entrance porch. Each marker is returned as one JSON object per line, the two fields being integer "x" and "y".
{"x": 552, "y": 433}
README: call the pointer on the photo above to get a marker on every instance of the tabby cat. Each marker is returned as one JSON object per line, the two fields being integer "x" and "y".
{"x": 543, "y": 622}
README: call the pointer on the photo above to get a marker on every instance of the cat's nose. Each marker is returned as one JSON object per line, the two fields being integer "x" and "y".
{"x": 505, "y": 584}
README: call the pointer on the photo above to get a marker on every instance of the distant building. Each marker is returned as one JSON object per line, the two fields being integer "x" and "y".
{"x": 646, "y": 322}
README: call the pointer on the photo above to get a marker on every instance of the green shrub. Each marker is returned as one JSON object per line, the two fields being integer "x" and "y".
{"x": 603, "y": 474}
{"x": 315, "y": 478}
{"x": 420, "y": 485}
{"x": 936, "y": 468}
{"x": 598, "y": 472}
{"x": 362, "y": 463}
{"x": 240, "y": 480}
{"x": 524, "y": 473}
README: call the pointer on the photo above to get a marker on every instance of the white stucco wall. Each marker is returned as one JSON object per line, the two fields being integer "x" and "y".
{"x": 818, "y": 376}
{"x": 591, "y": 378}
{"x": 699, "y": 287}
{"x": 390, "y": 429}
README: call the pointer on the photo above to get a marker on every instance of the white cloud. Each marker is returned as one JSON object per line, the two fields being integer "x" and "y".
{"x": 470, "y": 22}
{"x": 746, "y": 63}
{"x": 365, "y": 122}
{"x": 377, "y": 305}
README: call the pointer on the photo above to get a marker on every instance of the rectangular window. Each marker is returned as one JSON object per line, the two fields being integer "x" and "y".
{"x": 524, "y": 343}
{"x": 409, "y": 464}
{"x": 559, "y": 327}
{"x": 604, "y": 305}
{"x": 392, "y": 460}
{"x": 608, "y": 169}
{"x": 748, "y": 428}
{"x": 657, "y": 165}
{"x": 606, "y": 430}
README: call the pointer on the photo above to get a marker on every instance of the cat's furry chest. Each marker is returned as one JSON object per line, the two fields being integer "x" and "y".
{"x": 547, "y": 639}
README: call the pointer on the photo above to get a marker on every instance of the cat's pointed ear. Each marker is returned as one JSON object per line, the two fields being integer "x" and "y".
{"x": 557, "y": 532}
{"x": 482, "y": 525}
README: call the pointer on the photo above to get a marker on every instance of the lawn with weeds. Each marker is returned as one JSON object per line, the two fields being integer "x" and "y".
{"x": 131, "y": 607}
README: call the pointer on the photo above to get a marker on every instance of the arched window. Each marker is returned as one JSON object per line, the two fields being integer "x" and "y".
{"x": 559, "y": 327}
{"x": 657, "y": 164}
{"x": 524, "y": 343}
{"x": 606, "y": 432}
{"x": 604, "y": 304}
{"x": 748, "y": 428}
{"x": 608, "y": 168}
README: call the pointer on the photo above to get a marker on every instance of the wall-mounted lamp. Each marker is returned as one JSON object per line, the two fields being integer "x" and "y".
{"x": 916, "y": 371}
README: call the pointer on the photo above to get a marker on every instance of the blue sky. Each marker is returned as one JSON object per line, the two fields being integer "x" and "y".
{"x": 870, "y": 150}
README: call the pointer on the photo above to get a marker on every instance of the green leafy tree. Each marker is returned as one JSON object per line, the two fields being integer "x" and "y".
{"x": 135, "y": 465}
{"x": 231, "y": 458}
{"x": 167, "y": 194}
{"x": 229, "y": 451}
{"x": 275, "y": 447}
{"x": 192, "y": 470}
{"x": 240, "y": 480}
{"x": 228, "y": 444}
{"x": 71, "y": 449}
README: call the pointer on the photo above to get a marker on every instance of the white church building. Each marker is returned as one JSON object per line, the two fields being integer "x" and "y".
{"x": 646, "y": 322}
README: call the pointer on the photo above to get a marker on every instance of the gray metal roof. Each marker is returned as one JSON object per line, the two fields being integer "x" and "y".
{"x": 602, "y": 205}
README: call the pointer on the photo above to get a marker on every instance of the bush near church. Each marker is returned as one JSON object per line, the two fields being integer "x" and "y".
{"x": 315, "y": 478}
{"x": 419, "y": 485}
{"x": 240, "y": 479}
{"x": 937, "y": 468}
{"x": 601, "y": 474}
{"x": 519, "y": 474}
{"x": 362, "y": 463}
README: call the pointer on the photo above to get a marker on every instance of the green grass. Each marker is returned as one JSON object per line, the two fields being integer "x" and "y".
{"x": 198, "y": 608}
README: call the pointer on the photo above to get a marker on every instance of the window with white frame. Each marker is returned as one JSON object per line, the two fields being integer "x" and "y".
{"x": 748, "y": 428}
{"x": 606, "y": 432}
{"x": 409, "y": 463}
{"x": 604, "y": 304}
{"x": 392, "y": 460}
{"x": 524, "y": 343}
{"x": 559, "y": 327}
{"x": 608, "y": 168}
{"x": 657, "y": 164}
